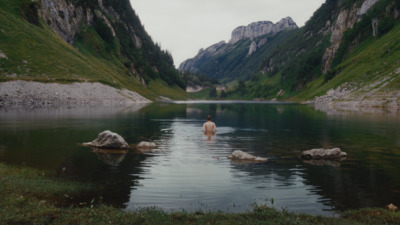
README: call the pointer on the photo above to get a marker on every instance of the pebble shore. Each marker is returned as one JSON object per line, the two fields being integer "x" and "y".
{"x": 35, "y": 94}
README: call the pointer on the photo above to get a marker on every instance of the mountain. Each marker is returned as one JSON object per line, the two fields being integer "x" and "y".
{"x": 67, "y": 41}
{"x": 240, "y": 56}
{"x": 345, "y": 55}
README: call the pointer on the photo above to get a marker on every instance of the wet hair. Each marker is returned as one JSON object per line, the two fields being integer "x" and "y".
{"x": 209, "y": 118}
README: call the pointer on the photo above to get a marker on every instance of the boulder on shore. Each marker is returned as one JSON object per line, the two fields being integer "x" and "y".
{"x": 392, "y": 207}
{"x": 108, "y": 140}
{"x": 245, "y": 157}
{"x": 329, "y": 154}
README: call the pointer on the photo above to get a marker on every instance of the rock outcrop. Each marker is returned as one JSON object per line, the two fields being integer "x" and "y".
{"x": 2, "y": 55}
{"x": 367, "y": 4}
{"x": 108, "y": 140}
{"x": 64, "y": 18}
{"x": 192, "y": 64}
{"x": 67, "y": 19}
{"x": 345, "y": 20}
{"x": 261, "y": 28}
{"x": 253, "y": 32}
{"x": 354, "y": 97}
{"x": 253, "y": 48}
{"x": 326, "y": 154}
{"x": 246, "y": 157}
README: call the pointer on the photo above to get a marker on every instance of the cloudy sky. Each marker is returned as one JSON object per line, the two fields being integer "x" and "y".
{"x": 185, "y": 26}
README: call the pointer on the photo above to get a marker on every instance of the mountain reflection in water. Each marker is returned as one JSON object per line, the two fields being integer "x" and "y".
{"x": 190, "y": 171}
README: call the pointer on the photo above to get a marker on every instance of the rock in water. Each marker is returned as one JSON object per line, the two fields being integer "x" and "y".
{"x": 145, "y": 144}
{"x": 243, "y": 156}
{"x": 145, "y": 147}
{"x": 108, "y": 140}
{"x": 332, "y": 154}
{"x": 392, "y": 207}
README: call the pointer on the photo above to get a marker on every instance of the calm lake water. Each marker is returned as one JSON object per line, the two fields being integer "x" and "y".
{"x": 190, "y": 171}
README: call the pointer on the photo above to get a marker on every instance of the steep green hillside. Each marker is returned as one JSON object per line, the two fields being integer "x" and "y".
{"x": 241, "y": 56}
{"x": 299, "y": 59}
{"x": 372, "y": 69}
{"x": 235, "y": 63}
{"x": 308, "y": 64}
{"x": 33, "y": 51}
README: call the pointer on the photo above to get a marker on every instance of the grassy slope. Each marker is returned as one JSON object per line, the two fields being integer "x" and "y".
{"x": 368, "y": 64}
{"x": 31, "y": 196}
{"x": 366, "y": 69}
{"x": 50, "y": 59}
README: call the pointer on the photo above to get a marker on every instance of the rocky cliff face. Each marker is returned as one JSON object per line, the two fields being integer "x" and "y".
{"x": 107, "y": 27}
{"x": 262, "y": 28}
{"x": 345, "y": 20}
{"x": 251, "y": 32}
{"x": 65, "y": 18}
{"x": 193, "y": 63}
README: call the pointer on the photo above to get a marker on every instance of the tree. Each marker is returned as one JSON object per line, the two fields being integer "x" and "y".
{"x": 242, "y": 87}
{"x": 213, "y": 92}
{"x": 222, "y": 94}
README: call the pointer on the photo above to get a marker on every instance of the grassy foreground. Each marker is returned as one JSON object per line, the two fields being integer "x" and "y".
{"x": 30, "y": 196}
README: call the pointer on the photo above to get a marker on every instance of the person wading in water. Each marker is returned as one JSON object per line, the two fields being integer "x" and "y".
{"x": 209, "y": 127}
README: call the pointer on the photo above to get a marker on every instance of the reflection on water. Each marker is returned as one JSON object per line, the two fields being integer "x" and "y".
{"x": 111, "y": 157}
{"x": 189, "y": 170}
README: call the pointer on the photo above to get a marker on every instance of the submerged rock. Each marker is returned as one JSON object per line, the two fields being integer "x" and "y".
{"x": 330, "y": 154}
{"x": 108, "y": 140}
{"x": 145, "y": 144}
{"x": 246, "y": 157}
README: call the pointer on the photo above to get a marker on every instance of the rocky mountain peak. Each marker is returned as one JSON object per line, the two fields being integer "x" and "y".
{"x": 261, "y": 28}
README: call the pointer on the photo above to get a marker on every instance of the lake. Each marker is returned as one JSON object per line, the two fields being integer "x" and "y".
{"x": 190, "y": 171}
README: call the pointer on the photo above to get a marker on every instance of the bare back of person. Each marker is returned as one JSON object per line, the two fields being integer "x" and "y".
{"x": 209, "y": 127}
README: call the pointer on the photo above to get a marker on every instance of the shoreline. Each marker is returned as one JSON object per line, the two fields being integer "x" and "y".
{"x": 44, "y": 199}
{"x": 32, "y": 94}
{"x": 22, "y": 94}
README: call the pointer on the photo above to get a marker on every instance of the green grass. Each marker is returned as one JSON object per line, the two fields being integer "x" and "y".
{"x": 369, "y": 63}
{"x": 30, "y": 196}
{"x": 203, "y": 94}
{"x": 36, "y": 53}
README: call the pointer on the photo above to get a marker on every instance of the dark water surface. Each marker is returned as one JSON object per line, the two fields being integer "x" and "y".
{"x": 191, "y": 171}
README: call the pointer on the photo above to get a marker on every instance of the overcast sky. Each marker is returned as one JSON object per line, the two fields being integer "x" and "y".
{"x": 183, "y": 27}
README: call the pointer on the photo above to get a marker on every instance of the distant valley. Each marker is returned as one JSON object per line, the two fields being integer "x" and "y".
{"x": 345, "y": 55}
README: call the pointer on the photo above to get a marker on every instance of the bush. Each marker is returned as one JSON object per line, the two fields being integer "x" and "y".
{"x": 103, "y": 30}
{"x": 332, "y": 73}
{"x": 213, "y": 92}
{"x": 223, "y": 94}
{"x": 386, "y": 25}
{"x": 29, "y": 11}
